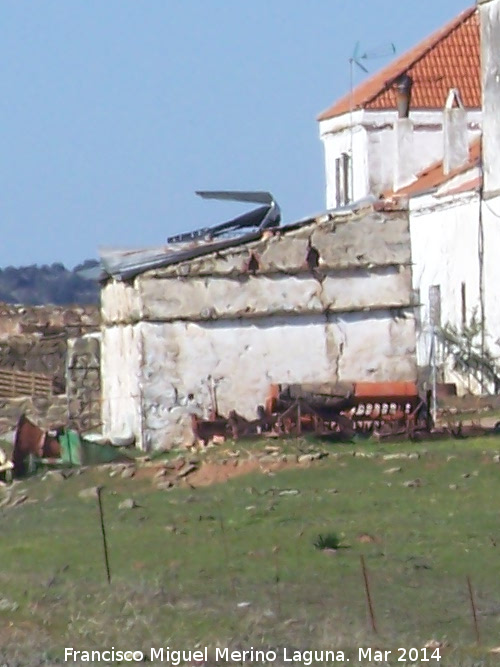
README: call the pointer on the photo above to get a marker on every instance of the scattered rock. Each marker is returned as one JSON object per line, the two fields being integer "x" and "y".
{"x": 289, "y": 492}
{"x": 165, "y": 486}
{"x": 54, "y": 475}
{"x": 433, "y": 644}
{"x": 365, "y": 538}
{"x": 390, "y": 457}
{"x": 466, "y": 475}
{"x": 7, "y": 605}
{"x": 89, "y": 493}
{"x": 453, "y": 487}
{"x": 127, "y": 473}
{"x": 18, "y": 500}
{"x": 187, "y": 470}
{"x": 127, "y": 504}
{"x": 175, "y": 464}
{"x": 414, "y": 456}
{"x": 268, "y": 458}
{"x": 305, "y": 458}
{"x": 413, "y": 483}
{"x": 391, "y": 471}
{"x": 159, "y": 474}
{"x": 171, "y": 528}
{"x": 496, "y": 458}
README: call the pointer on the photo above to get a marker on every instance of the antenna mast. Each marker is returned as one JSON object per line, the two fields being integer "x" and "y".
{"x": 356, "y": 59}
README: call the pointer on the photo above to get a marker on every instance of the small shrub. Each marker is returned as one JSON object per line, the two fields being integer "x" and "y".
{"x": 327, "y": 541}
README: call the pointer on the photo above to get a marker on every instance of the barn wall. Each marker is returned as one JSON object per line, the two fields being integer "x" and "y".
{"x": 121, "y": 375}
{"x": 344, "y": 315}
{"x": 245, "y": 357}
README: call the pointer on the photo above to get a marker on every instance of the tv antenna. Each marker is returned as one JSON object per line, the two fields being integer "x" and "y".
{"x": 359, "y": 58}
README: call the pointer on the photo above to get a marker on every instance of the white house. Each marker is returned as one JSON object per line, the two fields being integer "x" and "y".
{"x": 412, "y": 134}
{"x": 371, "y": 142}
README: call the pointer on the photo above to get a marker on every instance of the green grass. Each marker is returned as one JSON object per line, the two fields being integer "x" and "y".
{"x": 184, "y": 562}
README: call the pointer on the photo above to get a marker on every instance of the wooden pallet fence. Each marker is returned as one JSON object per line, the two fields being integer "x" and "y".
{"x": 21, "y": 383}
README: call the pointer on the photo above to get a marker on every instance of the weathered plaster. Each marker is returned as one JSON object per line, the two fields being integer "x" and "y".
{"x": 374, "y": 145}
{"x": 121, "y": 378}
{"x": 120, "y": 302}
{"x": 343, "y": 240}
{"x": 489, "y": 13}
{"x": 247, "y": 356}
{"x": 346, "y": 317}
{"x": 445, "y": 252}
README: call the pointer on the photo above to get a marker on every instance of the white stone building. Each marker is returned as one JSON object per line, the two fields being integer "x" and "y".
{"x": 368, "y": 147}
{"x": 431, "y": 161}
{"x": 327, "y": 299}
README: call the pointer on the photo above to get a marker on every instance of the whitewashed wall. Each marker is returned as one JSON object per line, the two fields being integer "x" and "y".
{"x": 444, "y": 238}
{"x": 489, "y": 13}
{"x": 350, "y": 319}
{"x": 374, "y": 147}
{"x": 121, "y": 377}
{"x": 491, "y": 225}
{"x": 247, "y": 356}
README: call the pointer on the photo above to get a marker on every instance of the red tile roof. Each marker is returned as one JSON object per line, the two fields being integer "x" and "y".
{"x": 434, "y": 176}
{"x": 447, "y": 59}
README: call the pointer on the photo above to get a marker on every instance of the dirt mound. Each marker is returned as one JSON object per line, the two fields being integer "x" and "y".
{"x": 214, "y": 473}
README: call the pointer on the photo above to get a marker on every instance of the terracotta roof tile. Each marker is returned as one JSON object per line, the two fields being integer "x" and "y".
{"x": 450, "y": 58}
{"x": 434, "y": 176}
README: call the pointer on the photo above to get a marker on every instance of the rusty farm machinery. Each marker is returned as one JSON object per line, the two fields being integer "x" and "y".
{"x": 377, "y": 409}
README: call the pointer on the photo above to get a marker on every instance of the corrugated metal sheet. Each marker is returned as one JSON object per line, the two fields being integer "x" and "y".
{"x": 125, "y": 264}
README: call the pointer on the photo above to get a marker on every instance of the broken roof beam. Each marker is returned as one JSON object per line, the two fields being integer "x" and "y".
{"x": 263, "y": 217}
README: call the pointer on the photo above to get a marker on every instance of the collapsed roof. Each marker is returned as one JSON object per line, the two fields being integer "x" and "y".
{"x": 125, "y": 264}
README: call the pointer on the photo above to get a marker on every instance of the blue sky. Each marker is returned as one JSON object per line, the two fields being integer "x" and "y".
{"x": 114, "y": 112}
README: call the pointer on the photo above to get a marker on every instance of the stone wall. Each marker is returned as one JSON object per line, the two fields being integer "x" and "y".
{"x": 34, "y": 338}
{"x": 44, "y": 320}
{"x": 35, "y": 354}
{"x": 47, "y": 412}
{"x": 83, "y": 383}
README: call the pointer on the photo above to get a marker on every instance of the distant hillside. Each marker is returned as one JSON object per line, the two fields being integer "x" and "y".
{"x": 39, "y": 285}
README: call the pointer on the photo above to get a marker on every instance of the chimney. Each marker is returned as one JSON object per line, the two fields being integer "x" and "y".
{"x": 404, "y": 161}
{"x": 456, "y": 144}
{"x": 403, "y": 95}
{"x": 489, "y": 12}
